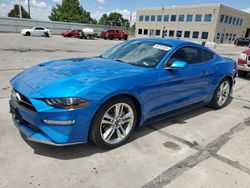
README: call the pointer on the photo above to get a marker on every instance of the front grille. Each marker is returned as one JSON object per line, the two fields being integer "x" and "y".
{"x": 22, "y": 100}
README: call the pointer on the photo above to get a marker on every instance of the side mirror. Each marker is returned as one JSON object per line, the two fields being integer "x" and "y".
{"x": 178, "y": 65}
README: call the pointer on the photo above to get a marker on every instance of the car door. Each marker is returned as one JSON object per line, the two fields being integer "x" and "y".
{"x": 37, "y": 31}
{"x": 177, "y": 88}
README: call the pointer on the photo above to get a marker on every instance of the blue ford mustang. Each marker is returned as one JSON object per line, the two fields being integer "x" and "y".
{"x": 103, "y": 98}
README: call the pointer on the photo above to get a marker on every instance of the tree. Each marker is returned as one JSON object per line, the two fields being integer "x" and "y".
{"x": 114, "y": 19}
{"x": 15, "y": 12}
{"x": 70, "y": 11}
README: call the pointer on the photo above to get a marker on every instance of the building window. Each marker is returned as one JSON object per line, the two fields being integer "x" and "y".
{"x": 241, "y": 21}
{"x": 171, "y": 33}
{"x": 139, "y": 31}
{"x": 218, "y": 36}
{"x": 195, "y": 34}
{"x": 141, "y": 18}
{"x": 204, "y": 35}
{"x": 234, "y": 21}
{"x": 230, "y": 36}
{"x": 146, "y": 18}
{"x": 226, "y": 37}
{"x": 153, "y": 18}
{"x": 145, "y": 32}
{"x": 166, "y": 18}
{"x": 165, "y": 33}
{"x": 159, "y": 18}
{"x": 230, "y": 20}
{"x": 198, "y": 17}
{"x": 157, "y": 32}
{"x": 186, "y": 34}
{"x": 226, "y": 19}
{"x": 208, "y": 18}
{"x": 173, "y": 18}
{"x": 237, "y": 22}
{"x": 222, "y": 18}
{"x": 189, "y": 18}
{"x": 179, "y": 34}
{"x": 151, "y": 32}
{"x": 181, "y": 18}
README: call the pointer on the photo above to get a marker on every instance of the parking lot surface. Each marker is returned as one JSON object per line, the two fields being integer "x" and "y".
{"x": 200, "y": 148}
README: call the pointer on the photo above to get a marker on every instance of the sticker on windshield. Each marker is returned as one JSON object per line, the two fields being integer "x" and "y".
{"x": 161, "y": 47}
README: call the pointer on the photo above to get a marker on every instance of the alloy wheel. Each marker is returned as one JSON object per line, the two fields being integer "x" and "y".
{"x": 117, "y": 123}
{"x": 223, "y": 93}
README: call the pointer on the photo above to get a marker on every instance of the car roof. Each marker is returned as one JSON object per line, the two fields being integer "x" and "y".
{"x": 169, "y": 42}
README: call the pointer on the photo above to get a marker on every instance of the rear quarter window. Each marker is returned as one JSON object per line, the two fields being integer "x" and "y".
{"x": 207, "y": 56}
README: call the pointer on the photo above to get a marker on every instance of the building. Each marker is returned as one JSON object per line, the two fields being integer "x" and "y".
{"x": 214, "y": 23}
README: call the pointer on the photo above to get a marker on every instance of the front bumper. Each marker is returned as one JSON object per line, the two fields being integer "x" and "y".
{"x": 31, "y": 124}
{"x": 244, "y": 67}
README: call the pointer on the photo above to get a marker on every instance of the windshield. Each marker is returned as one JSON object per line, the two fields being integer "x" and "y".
{"x": 139, "y": 53}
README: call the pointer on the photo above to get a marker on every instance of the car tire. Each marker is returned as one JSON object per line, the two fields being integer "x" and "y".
{"x": 126, "y": 38}
{"x": 221, "y": 95}
{"x": 111, "y": 132}
{"x": 27, "y": 34}
{"x": 46, "y": 34}
{"x": 242, "y": 73}
{"x": 111, "y": 37}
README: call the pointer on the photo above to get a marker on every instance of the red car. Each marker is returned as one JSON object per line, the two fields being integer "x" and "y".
{"x": 71, "y": 33}
{"x": 244, "y": 63}
{"x": 112, "y": 34}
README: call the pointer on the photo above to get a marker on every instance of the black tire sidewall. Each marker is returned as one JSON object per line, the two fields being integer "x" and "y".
{"x": 95, "y": 135}
{"x": 241, "y": 73}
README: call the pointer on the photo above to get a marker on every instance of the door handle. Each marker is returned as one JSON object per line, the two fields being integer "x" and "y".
{"x": 205, "y": 73}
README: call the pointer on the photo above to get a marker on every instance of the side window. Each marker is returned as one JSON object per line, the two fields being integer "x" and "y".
{"x": 191, "y": 55}
{"x": 39, "y": 28}
{"x": 207, "y": 56}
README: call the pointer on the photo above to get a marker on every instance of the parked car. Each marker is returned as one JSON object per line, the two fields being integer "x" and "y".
{"x": 242, "y": 42}
{"x": 112, "y": 34}
{"x": 104, "y": 98}
{"x": 36, "y": 31}
{"x": 244, "y": 63}
{"x": 71, "y": 33}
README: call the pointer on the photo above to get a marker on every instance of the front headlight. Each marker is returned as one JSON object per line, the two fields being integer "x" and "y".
{"x": 68, "y": 103}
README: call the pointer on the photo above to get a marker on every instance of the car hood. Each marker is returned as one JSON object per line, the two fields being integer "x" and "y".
{"x": 74, "y": 74}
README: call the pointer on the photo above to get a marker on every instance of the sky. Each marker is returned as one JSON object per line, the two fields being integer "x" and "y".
{"x": 40, "y": 9}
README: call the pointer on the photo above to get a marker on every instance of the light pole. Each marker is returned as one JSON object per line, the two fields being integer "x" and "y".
{"x": 29, "y": 7}
{"x": 20, "y": 9}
